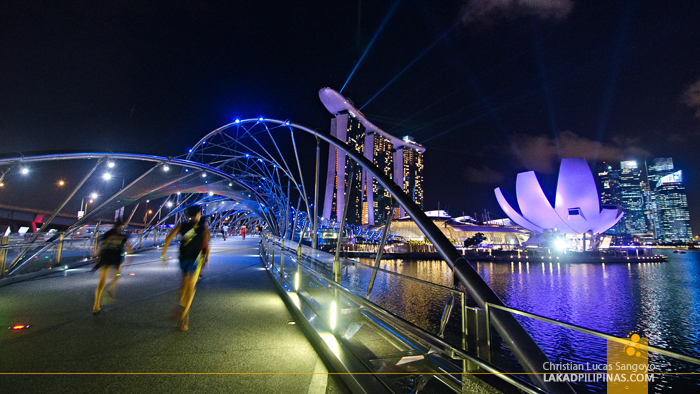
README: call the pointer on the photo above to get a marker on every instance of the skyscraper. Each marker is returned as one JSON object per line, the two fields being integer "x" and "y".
{"x": 657, "y": 206}
{"x": 412, "y": 171}
{"x": 351, "y": 131}
{"x": 631, "y": 200}
{"x": 378, "y": 199}
{"x": 400, "y": 159}
{"x": 656, "y": 169}
{"x": 669, "y": 201}
{"x": 609, "y": 187}
{"x": 608, "y": 184}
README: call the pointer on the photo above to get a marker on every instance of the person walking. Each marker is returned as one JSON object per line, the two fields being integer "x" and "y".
{"x": 224, "y": 231}
{"x": 194, "y": 254}
{"x": 110, "y": 256}
{"x": 243, "y": 232}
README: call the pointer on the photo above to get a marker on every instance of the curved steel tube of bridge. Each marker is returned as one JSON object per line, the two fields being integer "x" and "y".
{"x": 524, "y": 348}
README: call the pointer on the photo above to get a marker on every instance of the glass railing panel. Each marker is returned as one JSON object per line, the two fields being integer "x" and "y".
{"x": 380, "y": 348}
{"x": 419, "y": 302}
{"x": 76, "y": 248}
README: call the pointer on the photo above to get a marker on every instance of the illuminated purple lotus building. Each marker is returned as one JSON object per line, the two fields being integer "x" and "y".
{"x": 577, "y": 210}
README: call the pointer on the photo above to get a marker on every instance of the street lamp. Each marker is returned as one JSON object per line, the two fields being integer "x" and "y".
{"x": 145, "y": 216}
{"x": 82, "y": 211}
{"x": 107, "y": 176}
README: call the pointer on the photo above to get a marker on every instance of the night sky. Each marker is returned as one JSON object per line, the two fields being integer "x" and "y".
{"x": 490, "y": 87}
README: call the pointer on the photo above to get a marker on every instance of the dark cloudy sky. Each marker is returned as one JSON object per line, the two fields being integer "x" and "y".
{"x": 490, "y": 87}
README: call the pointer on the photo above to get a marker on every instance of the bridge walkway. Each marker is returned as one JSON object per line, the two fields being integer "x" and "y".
{"x": 239, "y": 338}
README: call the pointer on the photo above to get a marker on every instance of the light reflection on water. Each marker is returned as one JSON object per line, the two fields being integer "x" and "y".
{"x": 660, "y": 301}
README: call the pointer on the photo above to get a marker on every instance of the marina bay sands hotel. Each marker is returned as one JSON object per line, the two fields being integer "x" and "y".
{"x": 400, "y": 159}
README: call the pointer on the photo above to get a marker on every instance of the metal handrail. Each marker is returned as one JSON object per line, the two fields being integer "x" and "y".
{"x": 441, "y": 287}
{"x": 420, "y": 334}
{"x": 595, "y": 333}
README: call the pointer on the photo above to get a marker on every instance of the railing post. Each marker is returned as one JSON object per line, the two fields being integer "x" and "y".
{"x": 314, "y": 237}
{"x": 476, "y": 338}
{"x": 3, "y": 255}
{"x": 59, "y": 249}
{"x": 380, "y": 249}
{"x": 336, "y": 262}
{"x": 140, "y": 238}
{"x": 282, "y": 261}
{"x": 486, "y": 354}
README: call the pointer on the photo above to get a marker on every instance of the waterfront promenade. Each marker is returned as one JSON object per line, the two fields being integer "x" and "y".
{"x": 239, "y": 338}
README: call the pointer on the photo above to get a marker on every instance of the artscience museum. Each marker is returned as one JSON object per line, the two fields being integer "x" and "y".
{"x": 574, "y": 211}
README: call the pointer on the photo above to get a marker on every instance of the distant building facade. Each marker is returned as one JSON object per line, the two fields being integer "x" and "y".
{"x": 631, "y": 200}
{"x": 669, "y": 201}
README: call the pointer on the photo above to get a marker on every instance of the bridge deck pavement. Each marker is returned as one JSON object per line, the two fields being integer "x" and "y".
{"x": 239, "y": 339}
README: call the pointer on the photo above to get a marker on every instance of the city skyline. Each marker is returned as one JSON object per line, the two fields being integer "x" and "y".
{"x": 652, "y": 196}
{"x": 490, "y": 91}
